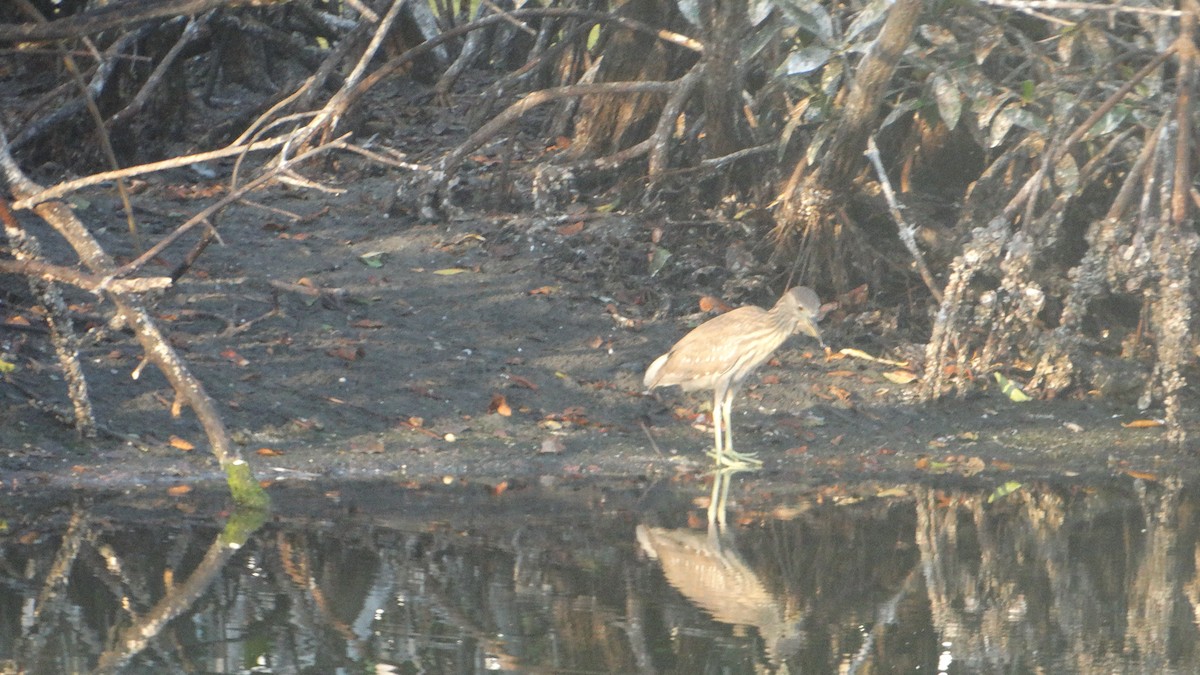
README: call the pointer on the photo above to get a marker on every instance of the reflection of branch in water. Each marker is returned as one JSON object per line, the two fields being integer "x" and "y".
{"x": 52, "y": 594}
{"x": 707, "y": 570}
{"x": 885, "y": 617}
{"x": 295, "y": 563}
{"x": 133, "y": 639}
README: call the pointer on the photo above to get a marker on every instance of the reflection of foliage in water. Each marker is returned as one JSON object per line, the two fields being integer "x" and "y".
{"x": 1073, "y": 578}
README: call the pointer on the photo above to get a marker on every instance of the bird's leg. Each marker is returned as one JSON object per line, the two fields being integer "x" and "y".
{"x": 726, "y": 456}
{"x": 716, "y": 420}
{"x": 716, "y": 502}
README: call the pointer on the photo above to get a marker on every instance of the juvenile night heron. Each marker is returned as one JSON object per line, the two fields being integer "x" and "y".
{"x": 720, "y": 353}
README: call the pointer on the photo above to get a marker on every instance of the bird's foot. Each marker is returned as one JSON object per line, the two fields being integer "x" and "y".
{"x": 730, "y": 459}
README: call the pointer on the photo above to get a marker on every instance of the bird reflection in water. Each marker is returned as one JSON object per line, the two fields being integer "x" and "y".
{"x": 706, "y": 568}
{"x": 722, "y": 352}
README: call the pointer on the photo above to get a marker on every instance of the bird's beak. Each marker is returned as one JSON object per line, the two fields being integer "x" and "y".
{"x": 807, "y": 326}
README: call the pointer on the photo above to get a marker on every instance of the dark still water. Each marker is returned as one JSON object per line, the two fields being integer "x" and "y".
{"x": 626, "y": 578}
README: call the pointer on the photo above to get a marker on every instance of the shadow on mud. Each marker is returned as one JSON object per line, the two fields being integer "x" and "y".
{"x": 619, "y": 577}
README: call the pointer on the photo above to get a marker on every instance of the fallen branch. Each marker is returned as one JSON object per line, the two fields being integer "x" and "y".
{"x": 244, "y": 488}
{"x": 88, "y": 282}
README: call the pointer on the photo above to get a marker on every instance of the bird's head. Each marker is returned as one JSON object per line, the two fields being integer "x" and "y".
{"x": 802, "y": 303}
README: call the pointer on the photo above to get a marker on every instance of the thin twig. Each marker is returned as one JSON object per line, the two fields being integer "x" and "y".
{"x": 906, "y": 231}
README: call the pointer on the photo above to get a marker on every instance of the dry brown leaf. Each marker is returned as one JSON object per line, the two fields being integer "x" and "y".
{"x": 268, "y": 452}
{"x": 709, "y": 303}
{"x": 770, "y": 379}
{"x": 350, "y": 354}
{"x": 571, "y": 228}
{"x": 840, "y": 373}
{"x": 1142, "y": 475}
{"x": 500, "y": 406}
{"x": 368, "y": 323}
{"x": 523, "y": 382}
{"x": 499, "y": 488}
{"x": 235, "y": 358}
{"x": 179, "y": 490}
{"x": 180, "y": 444}
{"x": 544, "y": 290}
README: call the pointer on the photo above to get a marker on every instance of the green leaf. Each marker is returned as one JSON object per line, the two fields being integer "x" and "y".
{"x": 658, "y": 259}
{"x": 1011, "y": 390}
{"x": 1004, "y": 491}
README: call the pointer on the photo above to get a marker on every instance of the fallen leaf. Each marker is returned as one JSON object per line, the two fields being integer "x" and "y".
{"x": 900, "y": 376}
{"x": 268, "y": 452}
{"x": 449, "y": 271}
{"x": 658, "y": 259}
{"x": 346, "y": 353}
{"x": 840, "y": 373}
{"x": 179, "y": 490}
{"x": 551, "y": 446}
{"x": 1143, "y": 424}
{"x": 1142, "y": 475}
{"x": 180, "y": 444}
{"x": 499, "y": 406}
{"x": 372, "y": 259}
{"x": 544, "y": 290}
{"x": 499, "y": 488}
{"x": 1011, "y": 390}
{"x": 854, "y": 297}
{"x": 235, "y": 358}
{"x": 523, "y": 382}
{"x": 770, "y": 379}
{"x": 709, "y": 303}
{"x": 368, "y": 323}
{"x": 571, "y": 228}
{"x": 860, "y": 354}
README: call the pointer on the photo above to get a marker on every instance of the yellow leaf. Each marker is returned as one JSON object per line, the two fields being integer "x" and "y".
{"x": 451, "y": 270}
{"x": 6, "y": 367}
{"x": 1143, "y": 424}
{"x": 860, "y": 354}
{"x": 1011, "y": 390}
{"x": 900, "y": 376}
